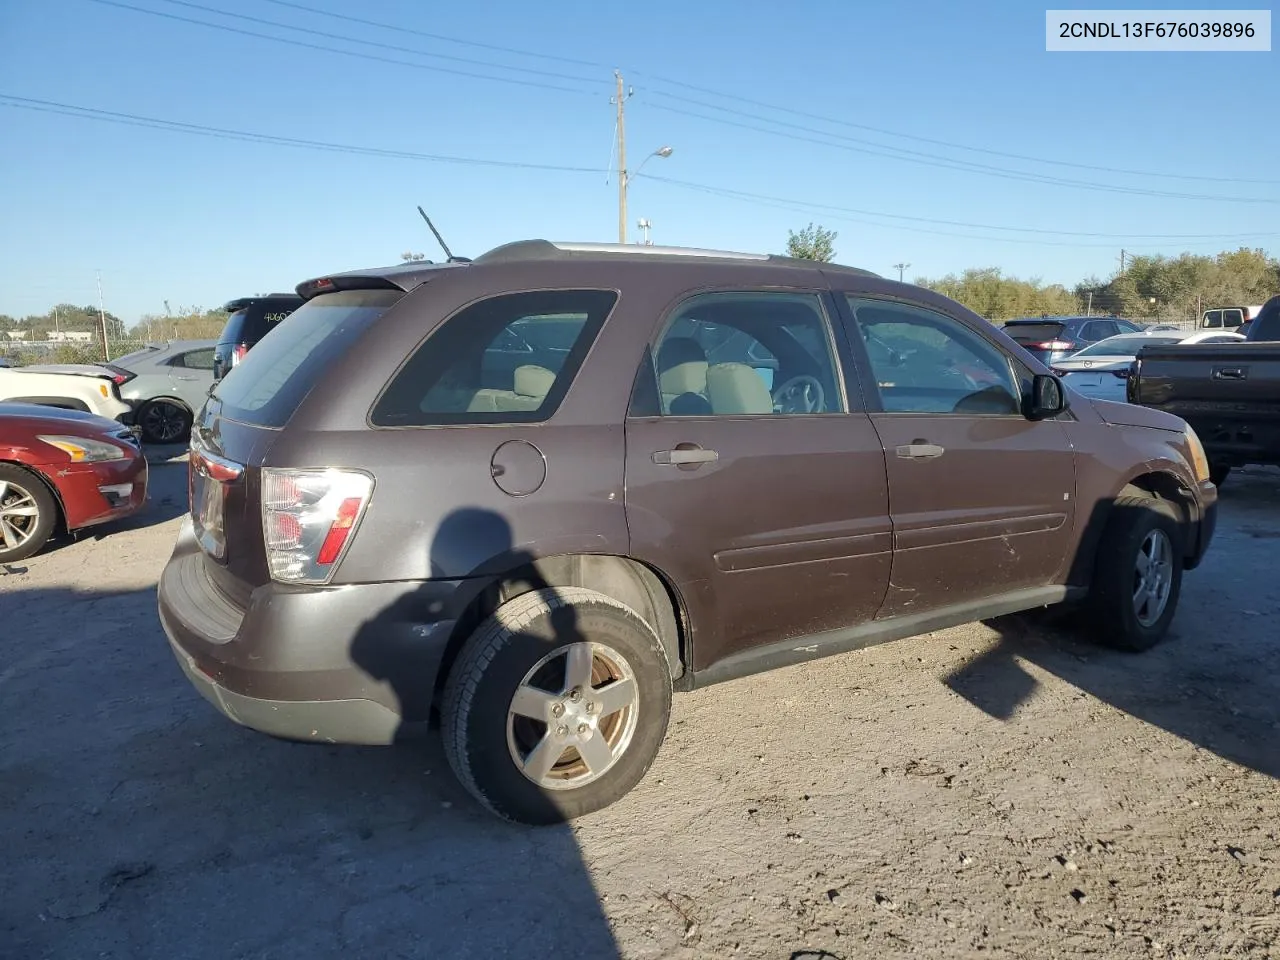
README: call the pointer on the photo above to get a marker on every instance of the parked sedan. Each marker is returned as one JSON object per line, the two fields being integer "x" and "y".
{"x": 167, "y": 384}
{"x": 1101, "y": 371}
{"x": 63, "y": 469}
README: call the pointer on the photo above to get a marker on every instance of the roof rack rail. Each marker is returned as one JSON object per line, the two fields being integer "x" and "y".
{"x": 523, "y": 250}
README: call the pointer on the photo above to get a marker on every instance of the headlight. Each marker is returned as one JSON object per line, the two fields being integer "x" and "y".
{"x": 84, "y": 450}
{"x": 1199, "y": 460}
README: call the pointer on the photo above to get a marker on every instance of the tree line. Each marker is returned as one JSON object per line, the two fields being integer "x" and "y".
{"x": 1148, "y": 288}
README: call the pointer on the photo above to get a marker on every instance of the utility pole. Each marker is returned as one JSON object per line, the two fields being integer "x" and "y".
{"x": 102, "y": 321}
{"x": 1088, "y": 311}
{"x": 645, "y": 225}
{"x": 619, "y": 100}
{"x": 1122, "y": 262}
{"x": 900, "y": 267}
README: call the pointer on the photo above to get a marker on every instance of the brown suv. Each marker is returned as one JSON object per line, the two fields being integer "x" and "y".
{"x": 531, "y": 495}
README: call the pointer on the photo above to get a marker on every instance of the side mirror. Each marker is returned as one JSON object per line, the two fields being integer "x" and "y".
{"x": 1048, "y": 397}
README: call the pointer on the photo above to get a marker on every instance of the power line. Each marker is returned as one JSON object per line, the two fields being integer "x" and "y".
{"x": 963, "y": 223}
{"x": 848, "y": 213}
{"x": 384, "y": 46}
{"x": 346, "y": 53}
{"x": 843, "y": 214}
{"x": 965, "y": 166}
{"x": 768, "y": 106}
{"x": 178, "y": 126}
{"x": 929, "y": 140}
{"x": 436, "y": 36}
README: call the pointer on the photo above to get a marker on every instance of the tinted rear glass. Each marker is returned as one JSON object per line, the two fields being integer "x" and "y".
{"x": 1033, "y": 332}
{"x": 274, "y": 377}
{"x": 1123, "y": 346}
{"x": 251, "y": 323}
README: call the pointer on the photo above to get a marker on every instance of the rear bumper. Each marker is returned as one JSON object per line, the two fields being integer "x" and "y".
{"x": 343, "y": 664}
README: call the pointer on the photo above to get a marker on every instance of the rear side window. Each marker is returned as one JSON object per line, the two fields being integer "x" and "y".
{"x": 506, "y": 359}
{"x": 195, "y": 359}
{"x": 274, "y": 377}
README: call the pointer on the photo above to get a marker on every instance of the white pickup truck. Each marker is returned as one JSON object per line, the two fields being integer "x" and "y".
{"x": 98, "y": 394}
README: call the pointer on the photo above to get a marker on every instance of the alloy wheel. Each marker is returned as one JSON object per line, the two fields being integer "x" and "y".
{"x": 573, "y": 716}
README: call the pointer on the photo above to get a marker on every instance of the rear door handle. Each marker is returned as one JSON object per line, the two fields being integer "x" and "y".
{"x": 681, "y": 456}
{"x": 920, "y": 450}
{"x": 1229, "y": 373}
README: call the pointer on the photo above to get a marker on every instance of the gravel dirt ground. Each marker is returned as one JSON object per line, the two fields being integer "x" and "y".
{"x": 997, "y": 790}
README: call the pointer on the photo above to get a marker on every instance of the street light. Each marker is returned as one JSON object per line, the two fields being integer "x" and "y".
{"x": 624, "y": 181}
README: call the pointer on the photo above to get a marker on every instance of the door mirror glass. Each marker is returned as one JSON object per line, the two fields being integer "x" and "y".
{"x": 1047, "y": 398}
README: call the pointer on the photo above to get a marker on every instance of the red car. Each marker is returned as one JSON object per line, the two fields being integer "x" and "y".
{"x": 63, "y": 469}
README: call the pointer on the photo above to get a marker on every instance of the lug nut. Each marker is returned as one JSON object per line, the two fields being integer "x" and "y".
{"x": 557, "y": 709}
{"x": 575, "y": 695}
{"x": 583, "y": 727}
{"x": 562, "y": 731}
{"x": 591, "y": 706}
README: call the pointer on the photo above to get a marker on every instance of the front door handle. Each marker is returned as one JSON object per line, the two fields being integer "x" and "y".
{"x": 685, "y": 455}
{"x": 1229, "y": 373}
{"x": 920, "y": 450}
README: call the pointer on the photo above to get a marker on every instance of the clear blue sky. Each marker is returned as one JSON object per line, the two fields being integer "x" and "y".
{"x": 197, "y": 220}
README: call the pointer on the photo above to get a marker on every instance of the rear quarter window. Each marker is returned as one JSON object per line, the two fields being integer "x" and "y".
{"x": 505, "y": 359}
{"x": 276, "y": 375}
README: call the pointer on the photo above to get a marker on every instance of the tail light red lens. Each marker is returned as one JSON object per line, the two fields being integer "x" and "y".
{"x": 238, "y": 353}
{"x": 1054, "y": 345}
{"x": 339, "y": 530}
{"x": 308, "y": 517}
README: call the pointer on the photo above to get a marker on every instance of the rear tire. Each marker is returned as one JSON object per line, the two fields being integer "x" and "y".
{"x": 164, "y": 421}
{"x": 549, "y": 671}
{"x": 1138, "y": 575}
{"x": 28, "y": 513}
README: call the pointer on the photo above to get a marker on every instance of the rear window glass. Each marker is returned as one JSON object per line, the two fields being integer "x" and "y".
{"x": 250, "y": 324}
{"x": 274, "y": 377}
{"x": 507, "y": 359}
{"x": 1123, "y": 346}
{"x": 1033, "y": 332}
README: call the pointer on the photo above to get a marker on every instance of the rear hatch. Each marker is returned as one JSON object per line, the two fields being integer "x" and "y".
{"x": 1040, "y": 337}
{"x": 237, "y": 428}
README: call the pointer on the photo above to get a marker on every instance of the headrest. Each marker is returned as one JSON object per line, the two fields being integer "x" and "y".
{"x": 736, "y": 388}
{"x": 677, "y": 350}
{"x": 533, "y": 381}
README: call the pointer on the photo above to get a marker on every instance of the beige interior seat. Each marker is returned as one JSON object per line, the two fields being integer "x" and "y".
{"x": 532, "y": 384}
{"x": 682, "y": 369}
{"x": 735, "y": 388}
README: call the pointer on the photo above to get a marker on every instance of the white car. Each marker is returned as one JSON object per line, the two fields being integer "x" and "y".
{"x": 1101, "y": 371}
{"x": 98, "y": 394}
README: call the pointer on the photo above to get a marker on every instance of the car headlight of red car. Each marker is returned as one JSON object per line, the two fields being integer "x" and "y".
{"x": 85, "y": 450}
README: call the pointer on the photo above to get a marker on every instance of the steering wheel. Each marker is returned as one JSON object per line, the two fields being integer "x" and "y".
{"x": 801, "y": 394}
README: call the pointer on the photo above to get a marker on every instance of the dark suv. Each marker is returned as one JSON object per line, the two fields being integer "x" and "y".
{"x": 531, "y": 495}
{"x": 251, "y": 319}
{"x": 1050, "y": 339}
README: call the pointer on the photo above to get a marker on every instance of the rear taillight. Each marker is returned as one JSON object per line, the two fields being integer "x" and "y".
{"x": 308, "y": 517}
{"x": 119, "y": 375}
{"x": 1123, "y": 373}
{"x": 1054, "y": 345}
{"x": 237, "y": 354}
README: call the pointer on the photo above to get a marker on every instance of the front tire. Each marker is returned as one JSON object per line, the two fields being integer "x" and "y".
{"x": 556, "y": 705}
{"x": 28, "y": 513}
{"x": 1138, "y": 575}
